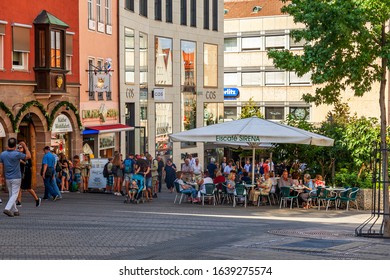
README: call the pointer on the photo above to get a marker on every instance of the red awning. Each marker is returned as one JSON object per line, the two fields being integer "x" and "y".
{"x": 107, "y": 128}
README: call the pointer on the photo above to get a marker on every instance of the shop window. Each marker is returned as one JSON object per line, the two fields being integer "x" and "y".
{"x": 230, "y": 113}
{"x": 302, "y": 113}
{"x": 274, "y": 113}
{"x": 164, "y": 124}
{"x": 213, "y": 113}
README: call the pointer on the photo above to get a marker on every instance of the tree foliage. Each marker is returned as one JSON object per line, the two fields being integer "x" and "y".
{"x": 250, "y": 110}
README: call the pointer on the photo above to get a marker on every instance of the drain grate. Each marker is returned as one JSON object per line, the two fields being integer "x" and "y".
{"x": 313, "y": 234}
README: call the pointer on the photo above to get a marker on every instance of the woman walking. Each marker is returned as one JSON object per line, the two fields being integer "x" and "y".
{"x": 170, "y": 174}
{"x": 25, "y": 168}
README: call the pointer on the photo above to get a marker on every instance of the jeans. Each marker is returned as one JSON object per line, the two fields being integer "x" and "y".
{"x": 191, "y": 191}
{"x": 159, "y": 181}
{"x": 13, "y": 186}
{"x": 51, "y": 189}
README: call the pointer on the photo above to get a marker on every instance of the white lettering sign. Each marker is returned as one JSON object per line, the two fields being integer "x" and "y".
{"x": 62, "y": 124}
{"x": 238, "y": 138}
{"x": 96, "y": 178}
{"x": 159, "y": 94}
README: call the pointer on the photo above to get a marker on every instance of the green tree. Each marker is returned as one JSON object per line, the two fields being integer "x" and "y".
{"x": 348, "y": 48}
{"x": 250, "y": 109}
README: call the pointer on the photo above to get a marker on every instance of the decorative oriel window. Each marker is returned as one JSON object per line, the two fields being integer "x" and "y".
{"x": 50, "y": 53}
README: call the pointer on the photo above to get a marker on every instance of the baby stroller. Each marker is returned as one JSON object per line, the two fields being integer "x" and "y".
{"x": 135, "y": 195}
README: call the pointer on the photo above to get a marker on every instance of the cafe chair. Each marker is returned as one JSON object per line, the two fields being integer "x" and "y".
{"x": 273, "y": 195}
{"x": 267, "y": 196}
{"x": 349, "y": 195}
{"x": 326, "y": 197}
{"x": 240, "y": 193}
{"x": 178, "y": 193}
{"x": 286, "y": 195}
{"x": 224, "y": 195}
{"x": 209, "y": 192}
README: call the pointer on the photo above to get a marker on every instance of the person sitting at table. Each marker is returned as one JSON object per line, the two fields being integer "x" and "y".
{"x": 202, "y": 181}
{"x": 230, "y": 183}
{"x": 262, "y": 188}
{"x": 185, "y": 188}
{"x": 284, "y": 180}
{"x": 219, "y": 179}
{"x": 319, "y": 182}
{"x": 295, "y": 178}
{"x": 245, "y": 178}
{"x": 308, "y": 186}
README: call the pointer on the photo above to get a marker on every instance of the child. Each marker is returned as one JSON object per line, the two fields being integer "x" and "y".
{"x": 133, "y": 189}
{"x": 319, "y": 182}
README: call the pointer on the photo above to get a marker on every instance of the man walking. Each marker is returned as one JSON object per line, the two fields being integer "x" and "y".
{"x": 10, "y": 166}
{"x": 48, "y": 172}
{"x": 160, "y": 169}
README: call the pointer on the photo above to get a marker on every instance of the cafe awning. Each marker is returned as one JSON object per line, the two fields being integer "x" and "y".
{"x": 106, "y": 128}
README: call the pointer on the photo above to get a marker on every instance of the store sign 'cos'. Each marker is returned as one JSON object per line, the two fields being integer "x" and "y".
{"x": 211, "y": 94}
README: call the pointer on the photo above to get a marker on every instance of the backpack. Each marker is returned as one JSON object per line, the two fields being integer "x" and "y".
{"x": 105, "y": 170}
{"x": 58, "y": 167}
{"x": 128, "y": 163}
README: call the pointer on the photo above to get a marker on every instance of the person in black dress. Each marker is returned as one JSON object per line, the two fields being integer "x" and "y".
{"x": 170, "y": 174}
{"x": 25, "y": 168}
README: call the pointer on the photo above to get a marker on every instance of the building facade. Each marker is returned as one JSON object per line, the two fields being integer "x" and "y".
{"x": 39, "y": 76}
{"x": 251, "y": 29}
{"x": 170, "y": 65}
{"x": 99, "y": 77}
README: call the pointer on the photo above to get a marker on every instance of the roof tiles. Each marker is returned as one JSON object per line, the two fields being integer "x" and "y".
{"x": 245, "y": 8}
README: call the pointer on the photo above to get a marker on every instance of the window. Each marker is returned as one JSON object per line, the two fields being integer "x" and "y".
{"x": 275, "y": 78}
{"x": 251, "y": 43}
{"x": 157, "y": 10}
{"x": 230, "y": 79}
{"x": 164, "y": 122}
{"x": 143, "y": 8}
{"x": 188, "y": 59}
{"x": 129, "y": 5}
{"x": 274, "y": 113}
{"x": 215, "y": 15}
{"x": 90, "y": 10}
{"x": 99, "y": 11}
{"x": 296, "y": 45}
{"x": 183, "y": 12}
{"x": 168, "y": 11}
{"x": 302, "y": 113}
{"x": 129, "y": 55}
{"x": 69, "y": 52}
{"x": 230, "y": 45}
{"x": 251, "y": 78}
{"x": 56, "y": 49}
{"x": 304, "y": 80}
{"x": 206, "y": 14}
{"x": 275, "y": 42}
{"x": 91, "y": 93}
{"x": 143, "y": 64}
{"x": 163, "y": 61}
{"x": 108, "y": 12}
{"x": 230, "y": 113}
{"x": 21, "y": 47}
{"x": 193, "y": 13}
{"x": 210, "y": 65}
{"x": 212, "y": 113}
{"x": 2, "y": 33}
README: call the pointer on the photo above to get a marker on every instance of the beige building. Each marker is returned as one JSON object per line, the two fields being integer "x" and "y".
{"x": 170, "y": 69}
{"x": 251, "y": 28}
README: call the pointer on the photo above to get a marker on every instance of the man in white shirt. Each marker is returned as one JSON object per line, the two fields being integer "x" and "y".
{"x": 247, "y": 167}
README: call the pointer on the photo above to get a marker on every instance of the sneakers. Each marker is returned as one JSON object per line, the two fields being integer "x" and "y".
{"x": 56, "y": 198}
{"x": 18, "y": 203}
{"x": 38, "y": 202}
{"x": 8, "y": 213}
{"x": 16, "y": 213}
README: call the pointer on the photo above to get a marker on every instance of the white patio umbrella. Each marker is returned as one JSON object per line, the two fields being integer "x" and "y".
{"x": 251, "y": 132}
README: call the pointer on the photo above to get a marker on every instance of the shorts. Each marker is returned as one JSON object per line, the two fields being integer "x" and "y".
{"x": 110, "y": 181}
{"x": 148, "y": 182}
{"x": 77, "y": 178}
{"x": 154, "y": 180}
{"x": 127, "y": 177}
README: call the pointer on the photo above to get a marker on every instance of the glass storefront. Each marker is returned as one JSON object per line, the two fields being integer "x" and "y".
{"x": 163, "y": 61}
{"x": 213, "y": 113}
{"x": 163, "y": 129}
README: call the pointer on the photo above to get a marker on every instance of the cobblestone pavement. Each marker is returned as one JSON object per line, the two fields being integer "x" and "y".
{"x": 101, "y": 226}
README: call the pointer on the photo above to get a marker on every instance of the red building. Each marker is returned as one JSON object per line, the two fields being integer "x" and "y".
{"x": 39, "y": 75}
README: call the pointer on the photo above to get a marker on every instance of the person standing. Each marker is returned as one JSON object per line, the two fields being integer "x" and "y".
{"x": 160, "y": 172}
{"x": 170, "y": 174}
{"x": 48, "y": 173}
{"x": 85, "y": 170}
{"x": 10, "y": 165}
{"x": 211, "y": 167}
{"x": 25, "y": 168}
